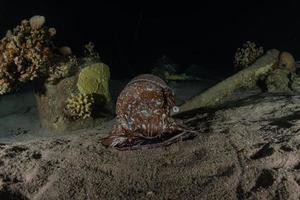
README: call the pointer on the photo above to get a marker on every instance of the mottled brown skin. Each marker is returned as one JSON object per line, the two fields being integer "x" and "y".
{"x": 143, "y": 112}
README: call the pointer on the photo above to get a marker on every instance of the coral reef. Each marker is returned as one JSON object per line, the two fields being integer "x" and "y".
{"x": 28, "y": 53}
{"x": 62, "y": 69}
{"x": 94, "y": 79}
{"x": 24, "y": 52}
{"x": 79, "y": 106}
{"x": 247, "y": 55}
{"x": 89, "y": 51}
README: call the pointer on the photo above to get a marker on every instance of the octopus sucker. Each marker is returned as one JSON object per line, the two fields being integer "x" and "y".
{"x": 144, "y": 119}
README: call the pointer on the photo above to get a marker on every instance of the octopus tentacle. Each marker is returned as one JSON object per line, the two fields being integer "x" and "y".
{"x": 178, "y": 137}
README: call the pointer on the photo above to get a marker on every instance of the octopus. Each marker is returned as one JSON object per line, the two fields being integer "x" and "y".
{"x": 144, "y": 119}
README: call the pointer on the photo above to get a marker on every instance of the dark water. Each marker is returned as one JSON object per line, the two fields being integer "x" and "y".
{"x": 130, "y": 36}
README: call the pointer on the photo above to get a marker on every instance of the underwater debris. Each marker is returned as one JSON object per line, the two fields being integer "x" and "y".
{"x": 247, "y": 55}
{"x": 79, "y": 106}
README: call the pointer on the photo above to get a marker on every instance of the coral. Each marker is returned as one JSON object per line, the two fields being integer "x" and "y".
{"x": 295, "y": 82}
{"x": 90, "y": 55}
{"x": 62, "y": 69}
{"x": 28, "y": 53}
{"x": 24, "y": 51}
{"x": 246, "y": 78}
{"x": 287, "y": 61}
{"x": 89, "y": 51}
{"x": 37, "y": 21}
{"x": 247, "y": 55}
{"x": 79, "y": 106}
{"x": 66, "y": 51}
{"x": 94, "y": 79}
{"x": 282, "y": 78}
{"x": 5, "y": 86}
{"x": 52, "y": 31}
{"x": 278, "y": 81}
{"x": 164, "y": 67}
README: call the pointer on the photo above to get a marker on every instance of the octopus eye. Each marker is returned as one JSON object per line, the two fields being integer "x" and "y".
{"x": 175, "y": 109}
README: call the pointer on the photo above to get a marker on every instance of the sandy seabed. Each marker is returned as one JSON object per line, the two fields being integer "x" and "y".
{"x": 249, "y": 148}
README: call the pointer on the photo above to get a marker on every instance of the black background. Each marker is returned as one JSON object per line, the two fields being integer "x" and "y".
{"x": 130, "y": 36}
